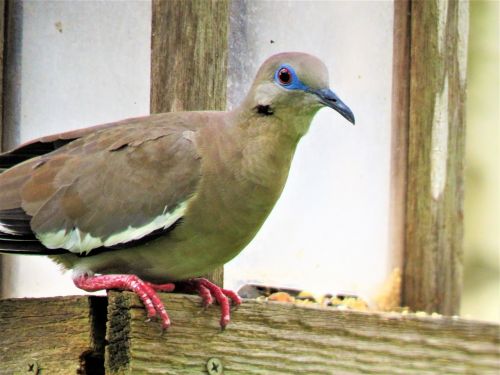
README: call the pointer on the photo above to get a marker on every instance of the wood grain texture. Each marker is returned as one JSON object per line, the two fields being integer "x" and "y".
{"x": 189, "y": 48}
{"x": 399, "y": 129}
{"x": 2, "y": 39}
{"x": 2, "y": 53}
{"x": 189, "y": 55}
{"x": 275, "y": 338}
{"x": 52, "y": 335}
{"x": 434, "y": 211}
{"x": 12, "y": 34}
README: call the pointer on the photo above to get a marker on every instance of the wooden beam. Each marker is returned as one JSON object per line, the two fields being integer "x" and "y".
{"x": 11, "y": 41}
{"x": 189, "y": 55}
{"x": 68, "y": 335}
{"x": 63, "y": 335}
{"x": 399, "y": 129}
{"x": 3, "y": 16}
{"x": 434, "y": 211}
{"x": 278, "y": 338}
{"x": 189, "y": 47}
{"x": 2, "y": 53}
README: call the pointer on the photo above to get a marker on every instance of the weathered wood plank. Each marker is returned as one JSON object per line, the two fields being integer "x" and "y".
{"x": 2, "y": 53}
{"x": 52, "y": 335}
{"x": 265, "y": 338}
{"x": 12, "y": 30}
{"x": 432, "y": 277}
{"x": 189, "y": 55}
{"x": 189, "y": 46}
{"x": 399, "y": 129}
{"x": 2, "y": 39}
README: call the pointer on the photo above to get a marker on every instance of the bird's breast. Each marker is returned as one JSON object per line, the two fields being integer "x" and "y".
{"x": 241, "y": 182}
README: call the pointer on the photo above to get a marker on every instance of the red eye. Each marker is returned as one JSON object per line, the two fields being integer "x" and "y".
{"x": 284, "y": 76}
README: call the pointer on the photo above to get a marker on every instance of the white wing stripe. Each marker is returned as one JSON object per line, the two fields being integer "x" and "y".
{"x": 79, "y": 242}
{"x": 6, "y": 230}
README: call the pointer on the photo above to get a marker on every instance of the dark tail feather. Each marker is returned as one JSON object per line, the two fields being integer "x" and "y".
{"x": 16, "y": 236}
{"x": 28, "y": 151}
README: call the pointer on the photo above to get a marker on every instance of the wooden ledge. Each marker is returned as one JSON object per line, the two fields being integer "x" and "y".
{"x": 66, "y": 335}
{"x": 58, "y": 335}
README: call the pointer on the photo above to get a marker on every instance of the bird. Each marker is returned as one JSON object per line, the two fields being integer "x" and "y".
{"x": 148, "y": 203}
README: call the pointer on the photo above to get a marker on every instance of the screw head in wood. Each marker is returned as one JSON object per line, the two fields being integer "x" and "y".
{"x": 32, "y": 367}
{"x": 214, "y": 366}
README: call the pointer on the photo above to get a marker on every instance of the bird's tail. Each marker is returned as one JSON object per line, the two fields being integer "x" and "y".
{"x": 16, "y": 236}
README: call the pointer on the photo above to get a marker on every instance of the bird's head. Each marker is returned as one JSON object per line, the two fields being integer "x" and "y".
{"x": 294, "y": 83}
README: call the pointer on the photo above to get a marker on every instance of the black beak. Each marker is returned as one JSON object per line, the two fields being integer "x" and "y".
{"x": 328, "y": 98}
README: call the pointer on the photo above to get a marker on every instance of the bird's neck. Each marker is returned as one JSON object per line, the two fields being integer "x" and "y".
{"x": 283, "y": 124}
{"x": 270, "y": 140}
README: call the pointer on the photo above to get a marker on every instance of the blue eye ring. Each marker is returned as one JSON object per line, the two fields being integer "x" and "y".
{"x": 286, "y": 77}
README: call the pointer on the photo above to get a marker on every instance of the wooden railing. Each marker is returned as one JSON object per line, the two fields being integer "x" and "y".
{"x": 97, "y": 335}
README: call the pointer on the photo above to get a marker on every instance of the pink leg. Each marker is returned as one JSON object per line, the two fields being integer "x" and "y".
{"x": 206, "y": 290}
{"x": 166, "y": 288}
{"x": 145, "y": 291}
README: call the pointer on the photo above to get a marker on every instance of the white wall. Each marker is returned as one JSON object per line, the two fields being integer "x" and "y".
{"x": 329, "y": 232}
{"x": 79, "y": 64}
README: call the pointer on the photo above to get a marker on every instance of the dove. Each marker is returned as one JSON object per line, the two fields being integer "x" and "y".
{"x": 147, "y": 203}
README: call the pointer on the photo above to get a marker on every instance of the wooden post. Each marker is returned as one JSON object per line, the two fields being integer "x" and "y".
{"x": 399, "y": 129}
{"x": 189, "y": 59}
{"x": 2, "y": 40}
{"x": 189, "y": 55}
{"x": 434, "y": 211}
{"x": 2, "y": 62}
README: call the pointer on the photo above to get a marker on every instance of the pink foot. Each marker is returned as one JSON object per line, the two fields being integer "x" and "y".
{"x": 147, "y": 293}
{"x": 208, "y": 291}
{"x": 144, "y": 290}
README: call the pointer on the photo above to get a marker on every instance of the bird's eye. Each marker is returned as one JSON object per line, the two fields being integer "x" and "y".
{"x": 284, "y": 76}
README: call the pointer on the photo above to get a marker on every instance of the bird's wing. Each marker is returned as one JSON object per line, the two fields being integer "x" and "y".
{"x": 44, "y": 145}
{"x": 107, "y": 188}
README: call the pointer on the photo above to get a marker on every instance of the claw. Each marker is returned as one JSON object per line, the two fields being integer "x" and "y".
{"x": 145, "y": 291}
{"x": 205, "y": 295}
{"x": 206, "y": 288}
